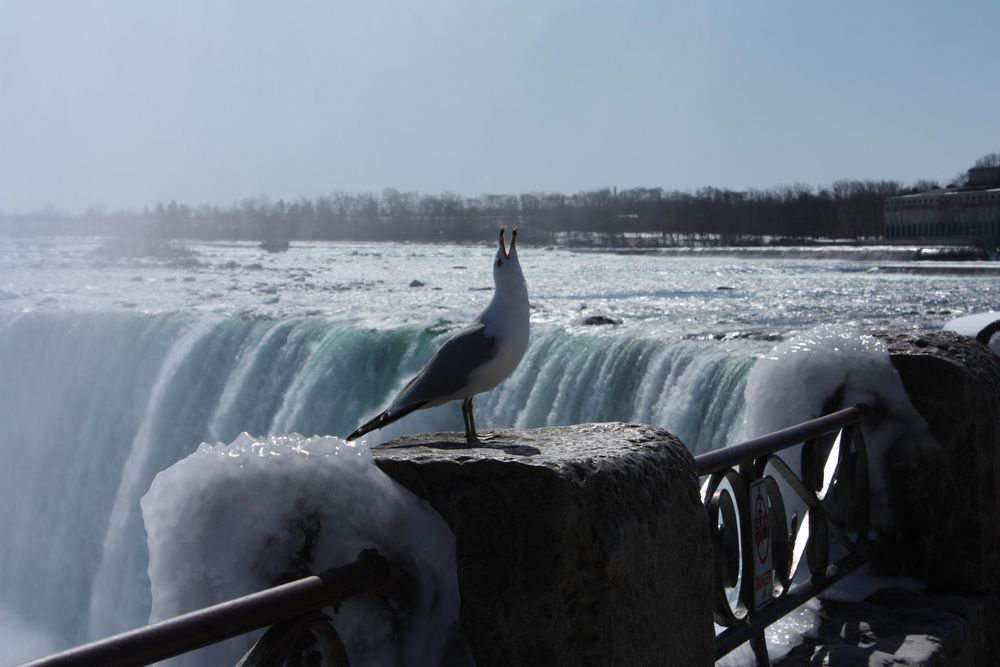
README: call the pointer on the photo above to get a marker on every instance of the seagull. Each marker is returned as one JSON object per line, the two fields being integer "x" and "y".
{"x": 475, "y": 359}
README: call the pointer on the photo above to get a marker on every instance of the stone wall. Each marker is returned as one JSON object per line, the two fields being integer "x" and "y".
{"x": 575, "y": 545}
{"x": 945, "y": 500}
{"x": 945, "y": 531}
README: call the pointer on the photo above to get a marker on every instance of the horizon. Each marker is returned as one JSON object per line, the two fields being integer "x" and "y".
{"x": 121, "y": 105}
{"x": 264, "y": 200}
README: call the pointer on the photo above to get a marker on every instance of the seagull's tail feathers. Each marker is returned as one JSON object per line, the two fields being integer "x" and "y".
{"x": 385, "y": 419}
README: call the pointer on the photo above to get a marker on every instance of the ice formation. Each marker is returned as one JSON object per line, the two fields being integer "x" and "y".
{"x": 232, "y": 519}
{"x": 827, "y": 368}
{"x": 971, "y": 325}
{"x": 782, "y": 636}
{"x": 832, "y": 367}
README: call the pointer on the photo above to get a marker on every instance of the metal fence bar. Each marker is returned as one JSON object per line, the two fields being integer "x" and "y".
{"x": 758, "y": 548}
{"x": 731, "y": 638}
{"x": 370, "y": 573}
{"x": 737, "y": 466}
{"x": 727, "y": 457}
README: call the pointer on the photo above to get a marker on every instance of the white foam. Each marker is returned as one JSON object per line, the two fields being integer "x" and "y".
{"x": 31, "y": 643}
{"x": 229, "y": 519}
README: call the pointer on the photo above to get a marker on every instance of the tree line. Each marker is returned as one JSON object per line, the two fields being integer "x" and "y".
{"x": 846, "y": 209}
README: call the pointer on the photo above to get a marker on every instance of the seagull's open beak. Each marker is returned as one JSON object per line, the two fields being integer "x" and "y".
{"x": 513, "y": 239}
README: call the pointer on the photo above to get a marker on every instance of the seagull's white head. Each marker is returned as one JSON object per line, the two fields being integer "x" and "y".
{"x": 506, "y": 268}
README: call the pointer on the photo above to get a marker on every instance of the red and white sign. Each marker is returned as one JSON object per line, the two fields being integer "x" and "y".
{"x": 760, "y": 517}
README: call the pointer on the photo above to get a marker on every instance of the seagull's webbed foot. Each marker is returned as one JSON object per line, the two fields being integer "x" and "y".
{"x": 471, "y": 437}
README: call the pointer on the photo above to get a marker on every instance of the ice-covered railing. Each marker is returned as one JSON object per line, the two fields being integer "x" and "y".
{"x": 293, "y": 610}
{"x": 758, "y": 547}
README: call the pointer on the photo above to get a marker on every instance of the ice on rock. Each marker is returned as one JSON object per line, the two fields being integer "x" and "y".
{"x": 971, "y": 325}
{"x": 832, "y": 367}
{"x": 829, "y": 367}
{"x": 233, "y": 519}
{"x": 793, "y": 381}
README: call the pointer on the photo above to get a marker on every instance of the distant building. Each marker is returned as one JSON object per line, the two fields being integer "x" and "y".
{"x": 969, "y": 214}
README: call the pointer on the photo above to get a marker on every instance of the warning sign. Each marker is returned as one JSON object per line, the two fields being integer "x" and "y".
{"x": 763, "y": 575}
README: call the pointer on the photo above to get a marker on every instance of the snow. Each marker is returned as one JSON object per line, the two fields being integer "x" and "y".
{"x": 829, "y": 367}
{"x": 231, "y": 519}
{"x": 795, "y": 381}
{"x": 971, "y": 325}
{"x": 782, "y": 636}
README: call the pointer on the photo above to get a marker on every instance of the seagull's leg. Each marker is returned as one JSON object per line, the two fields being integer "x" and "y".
{"x": 486, "y": 437}
{"x": 470, "y": 423}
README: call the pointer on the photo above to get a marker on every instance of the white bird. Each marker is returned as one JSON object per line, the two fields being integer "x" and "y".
{"x": 475, "y": 359}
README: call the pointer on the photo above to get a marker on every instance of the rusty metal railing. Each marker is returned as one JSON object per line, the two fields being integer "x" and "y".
{"x": 292, "y": 610}
{"x": 758, "y": 548}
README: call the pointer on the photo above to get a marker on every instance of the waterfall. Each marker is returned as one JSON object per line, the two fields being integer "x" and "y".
{"x": 93, "y": 405}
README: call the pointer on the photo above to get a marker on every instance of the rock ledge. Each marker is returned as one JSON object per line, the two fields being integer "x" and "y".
{"x": 575, "y": 545}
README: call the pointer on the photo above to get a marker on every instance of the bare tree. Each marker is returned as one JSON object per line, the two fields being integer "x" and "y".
{"x": 989, "y": 160}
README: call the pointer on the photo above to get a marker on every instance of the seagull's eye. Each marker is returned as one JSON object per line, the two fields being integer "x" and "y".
{"x": 499, "y": 262}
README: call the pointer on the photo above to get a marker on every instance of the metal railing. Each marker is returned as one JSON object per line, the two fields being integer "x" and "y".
{"x": 292, "y": 610}
{"x": 758, "y": 551}
{"x": 758, "y": 547}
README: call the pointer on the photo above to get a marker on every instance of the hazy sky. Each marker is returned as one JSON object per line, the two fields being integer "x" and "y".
{"x": 128, "y": 102}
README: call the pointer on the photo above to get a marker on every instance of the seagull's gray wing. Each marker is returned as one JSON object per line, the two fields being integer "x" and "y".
{"x": 443, "y": 376}
{"x": 449, "y": 369}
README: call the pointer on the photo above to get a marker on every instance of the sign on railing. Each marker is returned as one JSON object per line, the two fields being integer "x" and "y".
{"x": 759, "y": 547}
{"x": 763, "y": 574}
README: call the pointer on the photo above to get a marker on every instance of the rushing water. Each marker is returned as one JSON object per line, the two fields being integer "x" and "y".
{"x": 115, "y": 367}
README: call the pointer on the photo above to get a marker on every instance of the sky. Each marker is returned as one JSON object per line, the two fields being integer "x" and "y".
{"x": 125, "y": 103}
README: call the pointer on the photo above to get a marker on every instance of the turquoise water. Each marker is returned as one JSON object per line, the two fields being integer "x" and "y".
{"x": 113, "y": 368}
